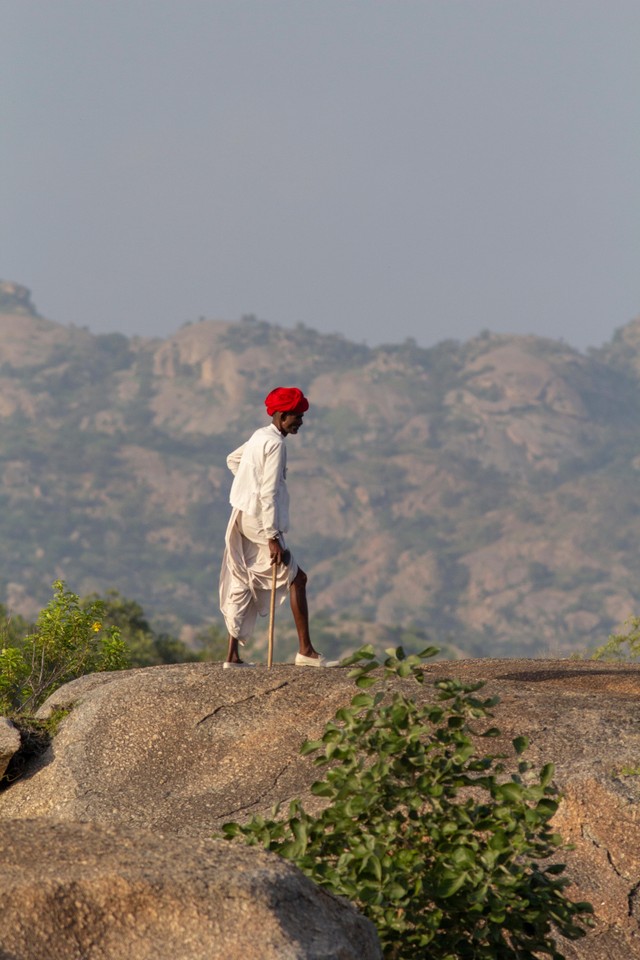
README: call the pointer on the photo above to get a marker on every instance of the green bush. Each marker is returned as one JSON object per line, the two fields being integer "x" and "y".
{"x": 623, "y": 645}
{"x": 68, "y": 640}
{"x": 129, "y": 619}
{"x": 436, "y": 843}
{"x": 146, "y": 648}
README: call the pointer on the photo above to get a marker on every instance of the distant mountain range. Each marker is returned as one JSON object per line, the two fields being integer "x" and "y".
{"x": 486, "y": 494}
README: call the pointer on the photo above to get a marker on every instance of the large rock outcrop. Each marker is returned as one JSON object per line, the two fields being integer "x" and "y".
{"x": 181, "y": 749}
{"x": 86, "y": 891}
{"x": 9, "y": 743}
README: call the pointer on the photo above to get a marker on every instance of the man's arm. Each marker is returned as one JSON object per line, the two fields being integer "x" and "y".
{"x": 233, "y": 460}
{"x": 274, "y": 455}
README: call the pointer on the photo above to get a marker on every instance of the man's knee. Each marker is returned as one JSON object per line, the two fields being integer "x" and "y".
{"x": 300, "y": 578}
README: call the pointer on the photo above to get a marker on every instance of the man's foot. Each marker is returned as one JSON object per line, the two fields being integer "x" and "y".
{"x": 232, "y": 664}
{"x": 319, "y": 661}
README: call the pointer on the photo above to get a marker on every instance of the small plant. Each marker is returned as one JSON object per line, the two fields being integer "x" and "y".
{"x": 433, "y": 841}
{"x": 68, "y": 640}
{"x": 623, "y": 645}
{"x": 627, "y": 771}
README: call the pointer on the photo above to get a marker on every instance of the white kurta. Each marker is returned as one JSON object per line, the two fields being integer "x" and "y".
{"x": 260, "y": 480}
{"x": 260, "y": 502}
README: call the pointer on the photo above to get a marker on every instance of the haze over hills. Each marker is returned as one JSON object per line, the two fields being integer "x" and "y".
{"x": 485, "y": 492}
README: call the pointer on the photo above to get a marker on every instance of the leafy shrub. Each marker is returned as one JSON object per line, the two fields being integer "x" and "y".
{"x": 434, "y": 842}
{"x": 623, "y": 645}
{"x": 68, "y": 640}
{"x": 129, "y": 619}
{"x": 144, "y": 646}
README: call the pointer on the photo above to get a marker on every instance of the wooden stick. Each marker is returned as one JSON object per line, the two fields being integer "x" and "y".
{"x": 272, "y": 616}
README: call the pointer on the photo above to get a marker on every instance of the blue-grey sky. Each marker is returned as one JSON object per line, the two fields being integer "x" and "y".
{"x": 409, "y": 168}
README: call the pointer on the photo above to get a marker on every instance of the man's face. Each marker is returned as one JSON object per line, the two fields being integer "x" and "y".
{"x": 291, "y": 422}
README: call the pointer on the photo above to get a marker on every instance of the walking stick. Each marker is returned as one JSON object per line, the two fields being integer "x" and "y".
{"x": 272, "y": 616}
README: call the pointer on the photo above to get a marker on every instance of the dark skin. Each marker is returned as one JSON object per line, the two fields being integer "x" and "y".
{"x": 288, "y": 424}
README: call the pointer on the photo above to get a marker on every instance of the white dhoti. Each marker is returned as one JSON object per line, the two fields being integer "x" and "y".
{"x": 246, "y": 576}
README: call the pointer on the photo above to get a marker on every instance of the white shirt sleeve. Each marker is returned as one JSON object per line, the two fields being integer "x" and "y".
{"x": 233, "y": 460}
{"x": 274, "y": 462}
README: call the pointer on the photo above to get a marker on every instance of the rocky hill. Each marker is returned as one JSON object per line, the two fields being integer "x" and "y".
{"x": 485, "y": 493}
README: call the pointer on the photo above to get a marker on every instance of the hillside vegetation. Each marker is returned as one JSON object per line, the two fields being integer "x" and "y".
{"x": 484, "y": 493}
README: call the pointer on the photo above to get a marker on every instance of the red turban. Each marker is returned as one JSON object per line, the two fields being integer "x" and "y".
{"x": 286, "y": 400}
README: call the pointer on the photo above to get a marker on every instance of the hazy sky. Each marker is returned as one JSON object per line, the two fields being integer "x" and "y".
{"x": 409, "y": 168}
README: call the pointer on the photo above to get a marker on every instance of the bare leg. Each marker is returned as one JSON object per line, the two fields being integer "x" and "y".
{"x": 300, "y": 610}
{"x": 232, "y": 652}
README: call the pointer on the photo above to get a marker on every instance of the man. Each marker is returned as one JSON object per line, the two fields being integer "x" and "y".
{"x": 255, "y": 534}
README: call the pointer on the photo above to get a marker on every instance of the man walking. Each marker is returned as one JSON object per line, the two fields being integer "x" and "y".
{"x": 255, "y": 535}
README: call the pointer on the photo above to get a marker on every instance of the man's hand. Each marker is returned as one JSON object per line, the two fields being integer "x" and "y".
{"x": 276, "y": 551}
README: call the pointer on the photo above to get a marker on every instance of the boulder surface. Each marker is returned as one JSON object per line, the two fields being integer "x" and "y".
{"x": 73, "y": 891}
{"x": 182, "y": 749}
{"x": 9, "y": 743}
